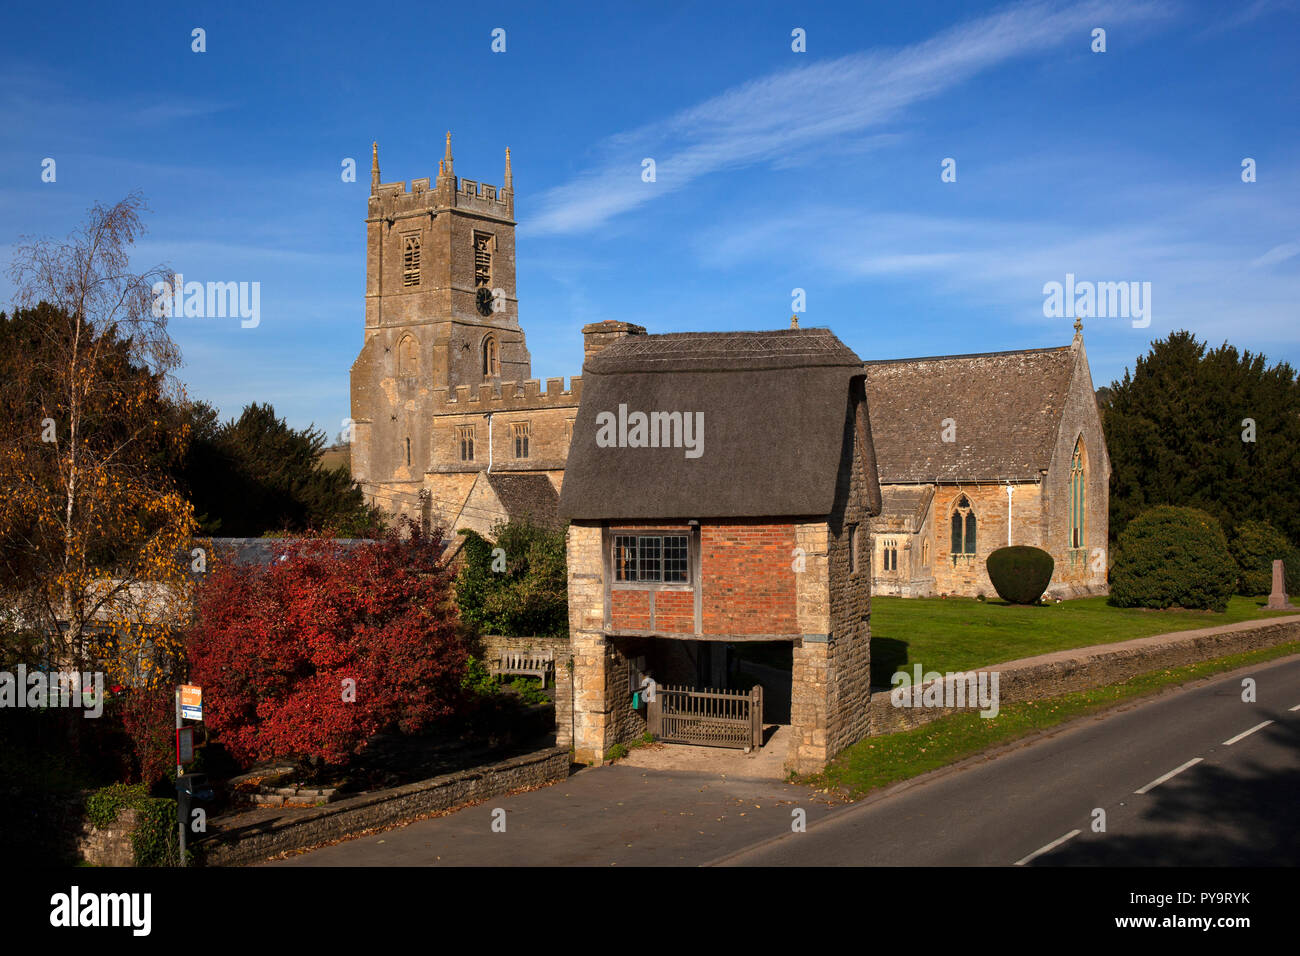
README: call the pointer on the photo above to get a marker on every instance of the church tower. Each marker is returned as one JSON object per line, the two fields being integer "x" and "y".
{"x": 440, "y": 312}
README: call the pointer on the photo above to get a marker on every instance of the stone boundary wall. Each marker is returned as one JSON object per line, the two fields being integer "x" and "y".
{"x": 1065, "y": 672}
{"x": 111, "y": 846}
{"x": 340, "y": 819}
{"x": 491, "y": 646}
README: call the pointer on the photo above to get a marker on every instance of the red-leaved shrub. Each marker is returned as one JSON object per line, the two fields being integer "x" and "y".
{"x": 149, "y": 718}
{"x": 276, "y": 648}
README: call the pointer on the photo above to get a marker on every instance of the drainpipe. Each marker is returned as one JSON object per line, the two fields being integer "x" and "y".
{"x": 1010, "y": 490}
{"x": 489, "y": 418}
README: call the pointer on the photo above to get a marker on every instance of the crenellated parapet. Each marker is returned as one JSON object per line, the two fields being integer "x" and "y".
{"x": 391, "y": 201}
{"x": 399, "y": 200}
{"x": 507, "y": 396}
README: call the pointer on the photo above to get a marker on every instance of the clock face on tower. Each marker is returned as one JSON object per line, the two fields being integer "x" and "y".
{"x": 483, "y": 300}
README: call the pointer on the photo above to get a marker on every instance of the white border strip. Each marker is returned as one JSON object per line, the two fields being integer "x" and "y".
{"x": 1051, "y": 846}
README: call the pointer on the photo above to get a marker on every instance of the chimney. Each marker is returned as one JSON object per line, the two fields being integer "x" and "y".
{"x": 600, "y": 334}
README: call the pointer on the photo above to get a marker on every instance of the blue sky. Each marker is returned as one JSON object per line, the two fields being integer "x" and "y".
{"x": 775, "y": 170}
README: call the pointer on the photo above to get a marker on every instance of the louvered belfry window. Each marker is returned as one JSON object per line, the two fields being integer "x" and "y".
{"x": 411, "y": 261}
{"x": 482, "y": 260}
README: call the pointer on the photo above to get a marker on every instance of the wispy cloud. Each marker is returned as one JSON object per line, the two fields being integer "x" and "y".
{"x": 1280, "y": 253}
{"x": 793, "y": 113}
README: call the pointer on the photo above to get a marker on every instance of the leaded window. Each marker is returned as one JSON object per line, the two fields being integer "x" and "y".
{"x": 963, "y": 529}
{"x": 465, "y": 438}
{"x": 1077, "y": 501}
{"x": 889, "y": 554}
{"x": 652, "y": 557}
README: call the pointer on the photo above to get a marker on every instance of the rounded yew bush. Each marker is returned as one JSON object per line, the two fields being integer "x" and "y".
{"x": 1173, "y": 557}
{"x": 1020, "y": 574}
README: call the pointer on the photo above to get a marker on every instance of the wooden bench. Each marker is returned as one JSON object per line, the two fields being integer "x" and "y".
{"x": 533, "y": 664}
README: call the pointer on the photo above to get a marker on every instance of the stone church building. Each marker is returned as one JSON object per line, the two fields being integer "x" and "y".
{"x": 974, "y": 451}
{"x": 977, "y": 452}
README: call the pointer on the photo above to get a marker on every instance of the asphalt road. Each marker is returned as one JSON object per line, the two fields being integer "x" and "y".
{"x": 1237, "y": 804}
{"x": 1231, "y": 799}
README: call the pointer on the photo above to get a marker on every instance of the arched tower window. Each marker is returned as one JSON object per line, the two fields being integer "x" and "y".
{"x": 1077, "y": 496}
{"x": 963, "y": 529}
{"x": 491, "y": 358}
{"x": 408, "y": 357}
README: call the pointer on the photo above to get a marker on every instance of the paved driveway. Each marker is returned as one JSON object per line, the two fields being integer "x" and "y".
{"x": 600, "y": 816}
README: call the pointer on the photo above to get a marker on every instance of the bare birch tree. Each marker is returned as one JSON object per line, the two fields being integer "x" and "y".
{"x": 91, "y": 525}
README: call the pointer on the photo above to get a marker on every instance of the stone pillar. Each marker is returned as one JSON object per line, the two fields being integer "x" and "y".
{"x": 591, "y": 708}
{"x": 1277, "y": 599}
{"x": 809, "y": 700}
{"x": 809, "y": 679}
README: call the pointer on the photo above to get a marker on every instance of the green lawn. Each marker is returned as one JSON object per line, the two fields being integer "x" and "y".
{"x": 955, "y": 634}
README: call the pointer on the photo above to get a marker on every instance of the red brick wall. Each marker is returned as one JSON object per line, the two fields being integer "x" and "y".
{"x": 747, "y": 582}
{"x": 675, "y": 612}
{"x": 748, "y": 578}
{"x": 630, "y": 609}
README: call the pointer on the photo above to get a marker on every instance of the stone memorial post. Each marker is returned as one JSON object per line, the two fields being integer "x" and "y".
{"x": 1277, "y": 600}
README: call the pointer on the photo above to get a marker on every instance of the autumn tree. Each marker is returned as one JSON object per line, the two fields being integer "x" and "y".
{"x": 326, "y": 646}
{"x": 92, "y": 527}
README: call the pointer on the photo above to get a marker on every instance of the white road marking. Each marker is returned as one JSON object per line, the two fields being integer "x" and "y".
{"x": 1296, "y": 707}
{"x": 1045, "y": 849}
{"x": 1172, "y": 773}
{"x": 1245, "y": 733}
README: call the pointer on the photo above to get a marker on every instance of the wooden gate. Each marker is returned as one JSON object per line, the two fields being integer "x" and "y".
{"x": 711, "y": 718}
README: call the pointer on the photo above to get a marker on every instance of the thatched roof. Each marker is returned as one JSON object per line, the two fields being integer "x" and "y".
{"x": 775, "y": 408}
{"x": 1006, "y": 407}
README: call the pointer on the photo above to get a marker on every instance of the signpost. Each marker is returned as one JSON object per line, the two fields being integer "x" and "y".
{"x": 191, "y": 702}
{"x": 189, "y": 706}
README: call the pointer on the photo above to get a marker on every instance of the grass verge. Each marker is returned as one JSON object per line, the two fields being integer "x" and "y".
{"x": 879, "y": 761}
{"x": 957, "y": 634}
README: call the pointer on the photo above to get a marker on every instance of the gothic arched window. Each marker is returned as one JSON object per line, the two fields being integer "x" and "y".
{"x": 1077, "y": 500}
{"x": 491, "y": 358}
{"x": 963, "y": 528}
